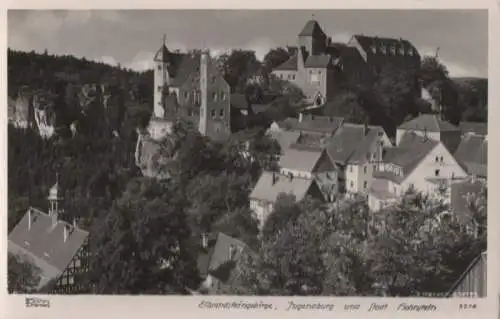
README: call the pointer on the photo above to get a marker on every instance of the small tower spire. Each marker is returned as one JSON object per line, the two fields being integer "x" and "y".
{"x": 164, "y": 39}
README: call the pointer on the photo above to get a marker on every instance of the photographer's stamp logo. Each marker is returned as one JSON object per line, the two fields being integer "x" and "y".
{"x": 37, "y": 303}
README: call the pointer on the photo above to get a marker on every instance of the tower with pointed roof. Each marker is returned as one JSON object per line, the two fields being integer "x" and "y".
{"x": 162, "y": 64}
{"x": 54, "y": 199}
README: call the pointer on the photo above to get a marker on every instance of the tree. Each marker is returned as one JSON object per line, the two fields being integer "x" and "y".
{"x": 274, "y": 58}
{"x": 23, "y": 276}
{"x": 347, "y": 106}
{"x": 145, "y": 245}
{"x": 238, "y": 66}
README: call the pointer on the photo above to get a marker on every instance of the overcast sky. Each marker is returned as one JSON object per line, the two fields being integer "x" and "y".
{"x": 132, "y": 37}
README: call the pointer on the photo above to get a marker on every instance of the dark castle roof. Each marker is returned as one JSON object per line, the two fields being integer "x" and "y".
{"x": 311, "y": 28}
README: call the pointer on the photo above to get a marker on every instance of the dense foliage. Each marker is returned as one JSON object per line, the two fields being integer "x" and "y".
{"x": 23, "y": 277}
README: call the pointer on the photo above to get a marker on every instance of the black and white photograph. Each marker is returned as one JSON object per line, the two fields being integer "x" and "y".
{"x": 333, "y": 153}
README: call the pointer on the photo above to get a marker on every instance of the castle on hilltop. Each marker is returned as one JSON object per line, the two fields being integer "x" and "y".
{"x": 189, "y": 86}
{"x": 319, "y": 66}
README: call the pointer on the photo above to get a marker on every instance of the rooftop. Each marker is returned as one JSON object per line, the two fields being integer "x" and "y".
{"x": 38, "y": 239}
{"x": 270, "y": 185}
{"x": 477, "y": 128}
{"x": 472, "y": 152}
{"x": 428, "y": 122}
{"x": 301, "y": 158}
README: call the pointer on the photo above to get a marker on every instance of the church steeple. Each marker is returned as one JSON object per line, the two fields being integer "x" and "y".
{"x": 54, "y": 198}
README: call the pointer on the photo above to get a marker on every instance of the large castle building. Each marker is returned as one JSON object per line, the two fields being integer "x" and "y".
{"x": 319, "y": 66}
{"x": 189, "y": 86}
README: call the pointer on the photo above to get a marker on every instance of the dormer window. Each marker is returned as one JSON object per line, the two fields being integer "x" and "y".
{"x": 374, "y": 50}
{"x": 401, "y": 51}
{"x": 159, "y": 67}
{"x": 393, "y": 50}
{"x": 410, "y": 52}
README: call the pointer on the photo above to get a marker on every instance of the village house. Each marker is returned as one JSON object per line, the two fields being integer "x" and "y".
{"x": 419, "y": 163}
{"x": 271, "y": 184}
{"x": 218, "y": 264}
{"x": 318, "y": 65}
{"x": 433, "y": 127}
{"x": 472, "y": 153}
{"x": 58, "y": 248}
{"x": 311, "y": 162}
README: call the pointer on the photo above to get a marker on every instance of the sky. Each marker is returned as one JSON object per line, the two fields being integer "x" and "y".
{"x": 132, "y": 37}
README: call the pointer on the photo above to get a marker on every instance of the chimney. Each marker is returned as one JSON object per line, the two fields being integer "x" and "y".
{"x": 203, "y": 122}
{"x": 301, "y": 117}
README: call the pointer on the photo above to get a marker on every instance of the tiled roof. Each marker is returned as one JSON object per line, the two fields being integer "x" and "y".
{"x": 318, "y": 61}
{"x": 285, "y": 138}
{"x": 184, "y": 64}
{"x": 45, "y": 244}
{"x": 373, "y": 136}
{"x": 474, "y": 127}
{"x": 321, "y": 124}
{"x": 288, "y": 65}
{"x": 312, "y": 28}
{"x": 368, "y": 42}
{"x": 344, "y": 142}
{"x": 301, "y": 158}
{"x": 472, "y": 152}
{"x": 266, "y": 190}
{"x": 162, "y": 55}
{"x": 429, "y": 122}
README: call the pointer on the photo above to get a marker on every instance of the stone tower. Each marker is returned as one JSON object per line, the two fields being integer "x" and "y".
{"x": 161, "y": 78}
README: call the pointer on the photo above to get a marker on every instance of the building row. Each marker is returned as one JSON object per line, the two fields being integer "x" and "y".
{"x": 327, "y": 158}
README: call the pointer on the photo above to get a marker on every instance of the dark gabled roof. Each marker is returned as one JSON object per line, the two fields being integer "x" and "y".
{"x": 266, "y": 190}
{"x": 44, "y": 243}
{"x": 319, "y": 124}
{"x": 368, "y": 42}
{"x": 285, "y": 138}
{"x": 318, "y": 61}
{"x": 183, "y": 65}
{"x": 288, "y": 65}
{"x": 342, "y": 145}
{"x": 312, "y": 28}
{"x": 221, "y": 251}
{"x": 373, "y": 136}
{"x": 301, "y": 158}
{"x": 472, "y": 152}
{"x": 429, "y": 122}
{"x": 162, "y": 55}
{"x": 474, "y": 127}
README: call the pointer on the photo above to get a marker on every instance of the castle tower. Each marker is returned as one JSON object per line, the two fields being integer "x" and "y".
{"x": 162, "y": 63}
{"x": 203, "y": 123}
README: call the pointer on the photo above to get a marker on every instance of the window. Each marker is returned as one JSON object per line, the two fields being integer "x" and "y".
{"x": 393, "y": 50}
{"x": 383, "y": 49}
{"x": 221, "y": 113}
{"x": 213, "y": 78}
{"x": 213, "y": 114}
{"x": 350, "y": 168}
{"x": 401, "y": 51}
{"x": 223, "y": 96}
{"x": 281, "y": 76}
{"x": 436, "y": 173}
{"x": 190, "y": 112}
{"x": 368, "y": 155}
{"x": 374, "y": 50}
{"x": 441, "y": 159}
{"x": 186, "y": 95}
{"x": 410, "y": 52}
{"x": 365, "y": 184}
{"x": 159, "y": 67}
{"x": 214, "y": 96}
{"x": 293, "y": 76}
{"x": 159, "y": 88}
{"x": 71, "y": 280}
{"x": 374, "y": 168}
{"x": 437, "y": 159}
{"x": 364, "y": 169}
{"x": 352, "y": 184}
